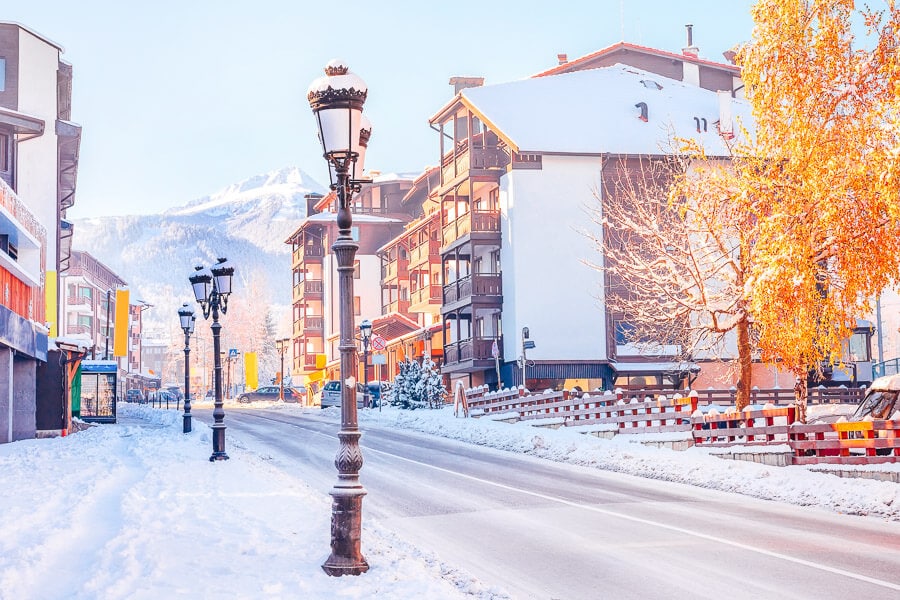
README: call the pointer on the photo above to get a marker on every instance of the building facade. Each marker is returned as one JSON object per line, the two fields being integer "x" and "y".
{"x": 39, "y": 148}
{"x": 521, "y": 163}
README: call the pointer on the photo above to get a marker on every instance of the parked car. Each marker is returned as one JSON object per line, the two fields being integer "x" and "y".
{"x": 175, "y": 391}
{"x": 134, "y": 395}
{"x": 331, "y": 394}
{"x": 377, "y": 389}
{"x": 296, "y": 393}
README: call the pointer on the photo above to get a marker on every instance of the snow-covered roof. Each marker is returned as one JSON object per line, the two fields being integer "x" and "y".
{"x": 652, "y": 367}
{"x": 594, "y": 112}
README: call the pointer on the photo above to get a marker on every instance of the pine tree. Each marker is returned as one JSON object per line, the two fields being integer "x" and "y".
{"x": 417, "y": 386}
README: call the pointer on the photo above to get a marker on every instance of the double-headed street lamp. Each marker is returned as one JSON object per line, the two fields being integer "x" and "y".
{"x": 282, "y": 345}
{"x": 211, "y": 289}
{"x": 337, "y": 101}
{"x": 187, "y": 318}
{"x": 365, "y": 335}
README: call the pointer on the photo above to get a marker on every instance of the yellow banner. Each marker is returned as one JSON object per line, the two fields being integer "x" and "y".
{"x": 50, "y": 308}
{"x": 120, "y": 342}
{"x": 251, "y": 374}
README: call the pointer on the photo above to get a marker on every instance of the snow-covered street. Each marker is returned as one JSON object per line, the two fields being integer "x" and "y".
{"x": 135, "y": 510}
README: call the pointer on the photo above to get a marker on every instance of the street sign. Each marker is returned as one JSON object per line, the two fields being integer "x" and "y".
{"x": 378, "y": 342}
{"x": 232, "y": 353}
{"x": 495, "y": 350}
{"x": 528, "y": 344}
{"x": 379, "y": 359}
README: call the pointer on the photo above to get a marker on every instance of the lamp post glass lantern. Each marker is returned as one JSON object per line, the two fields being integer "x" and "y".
{"x": 337, "y": 101}
{"x": 187, "y": 319}
{"x": 211, "y": 290}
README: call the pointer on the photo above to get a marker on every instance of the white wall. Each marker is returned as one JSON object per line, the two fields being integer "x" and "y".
{"x": 37, "y": 158}
{"x": 546, "y": 286}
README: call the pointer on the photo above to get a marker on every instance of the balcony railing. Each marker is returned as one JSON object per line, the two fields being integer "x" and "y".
{"x": 309, "y": 287}
{"x": 394, "y": 269}
{"x": 470, "y": 349}
{"x": 400, "y": 306}
{"x": 305, "y": 252}
{"x": 314, "y": 323}
{"x": 477, "y": 158}
{"x": 430, "y": 294}
{"x": 423, "y": 252}
{"x": 478, "y": 284}
{"x": 479, "y": 221}
{"x": 76, "y": 329}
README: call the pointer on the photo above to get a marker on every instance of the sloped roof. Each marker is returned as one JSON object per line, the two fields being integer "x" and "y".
{"x": 594, "y": 112}
{"x": 627, "y": 46}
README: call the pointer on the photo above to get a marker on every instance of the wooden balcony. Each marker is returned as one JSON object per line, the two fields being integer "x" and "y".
{"x": 478, "y": 284}
{"x": 399, "y": 306}
{"x": 306, "y": 253}
{"x": 479, "y": 221}
{"x": 424, "y": 252}
{"x": 424, "y": 298}
{"x": 310, "y": 326}
{"x": 464, "y": 161}
{"x": 470, "y": 349}
{"x": 309, "y": 289}
{"x": 395, "y": 269}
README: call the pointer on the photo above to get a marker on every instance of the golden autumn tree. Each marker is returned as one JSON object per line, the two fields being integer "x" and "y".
{"x": 804, "y": 224}
{"x": 677, "y": 251}
{"x": 824, "y": 190}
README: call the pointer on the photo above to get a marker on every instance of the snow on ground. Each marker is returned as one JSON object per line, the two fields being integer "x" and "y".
{"x": 126, "y": 511}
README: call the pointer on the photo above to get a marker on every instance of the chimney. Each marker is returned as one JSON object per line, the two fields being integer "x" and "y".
{"x": 562, "y": 58}
{"x": 461, "y": 83}
{"x": 690, "y": 49}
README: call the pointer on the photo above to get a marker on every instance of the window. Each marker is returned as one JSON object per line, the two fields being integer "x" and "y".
{"x": 356, "y": 306}
{"x": 2, "y": 74}
{"x": 356, "y": 269}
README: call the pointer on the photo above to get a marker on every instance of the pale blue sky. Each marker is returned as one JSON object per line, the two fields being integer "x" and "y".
{"x": 179, "y": 98}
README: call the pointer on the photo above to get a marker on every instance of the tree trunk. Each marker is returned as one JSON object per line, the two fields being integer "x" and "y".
{"x": 745, "y": 360}
{"x": 801, "y": 392}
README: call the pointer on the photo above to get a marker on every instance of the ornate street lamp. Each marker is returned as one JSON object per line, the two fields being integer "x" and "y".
{"x": 187, "y": 318}
{"x": 365, "y": 334}
{"x": 211, "y": 289}
{"x": 282, "y": 345}
{"x": 337, "y": 101}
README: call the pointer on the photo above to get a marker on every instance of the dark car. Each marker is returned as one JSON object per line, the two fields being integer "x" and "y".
{"x": 134, "y": 395}
{"x": 296, "y": 393}
{"x": 331, "y": 394}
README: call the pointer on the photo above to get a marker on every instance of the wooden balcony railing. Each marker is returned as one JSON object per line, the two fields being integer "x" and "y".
{"x": 306, "y": 252}
{"x": 423, "y": 252}
{"x": 313, "y": 323}
{"x": 400, "y": 306}
{"x": 477, "y": 158}
{"x": 478, "y": 284}
{"x": 308, "y": 288}
{"x": 470, "y": 349}
{"x": 479, "y": 221}
{"x": 430, "y": 294}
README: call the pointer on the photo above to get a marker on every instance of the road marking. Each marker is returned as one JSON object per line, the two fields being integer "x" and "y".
{"x": 703, "y": 536}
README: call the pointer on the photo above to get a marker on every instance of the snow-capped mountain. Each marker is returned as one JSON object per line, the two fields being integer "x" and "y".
{"x": 247, "y": 222}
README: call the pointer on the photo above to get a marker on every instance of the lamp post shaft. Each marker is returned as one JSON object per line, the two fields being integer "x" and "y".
{"x": 218, "y": 425}
{"x": 346, "y": 508}
{"x": 187, "y": 383}
{"x": 281, "y": 376}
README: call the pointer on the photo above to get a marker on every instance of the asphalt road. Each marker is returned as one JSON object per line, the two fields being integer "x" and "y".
{"x": 540, "y": 529}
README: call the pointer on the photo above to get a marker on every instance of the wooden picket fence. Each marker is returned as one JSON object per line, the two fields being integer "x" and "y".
{"x": 867, "y": 442}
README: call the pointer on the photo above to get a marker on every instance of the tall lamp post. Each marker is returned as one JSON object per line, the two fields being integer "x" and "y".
{"x": 365, "y": 334}
{"x": 337, "y": 101}
{"x": 281, "y": 345}
{"x": 187, "y": 318}
{"x": 211, "y": 289}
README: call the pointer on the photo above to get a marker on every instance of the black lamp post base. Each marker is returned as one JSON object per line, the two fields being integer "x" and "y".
{"x": 346, "y": 521}
{"x": 218, "y": 443}
{"x": 187, "y": 424}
